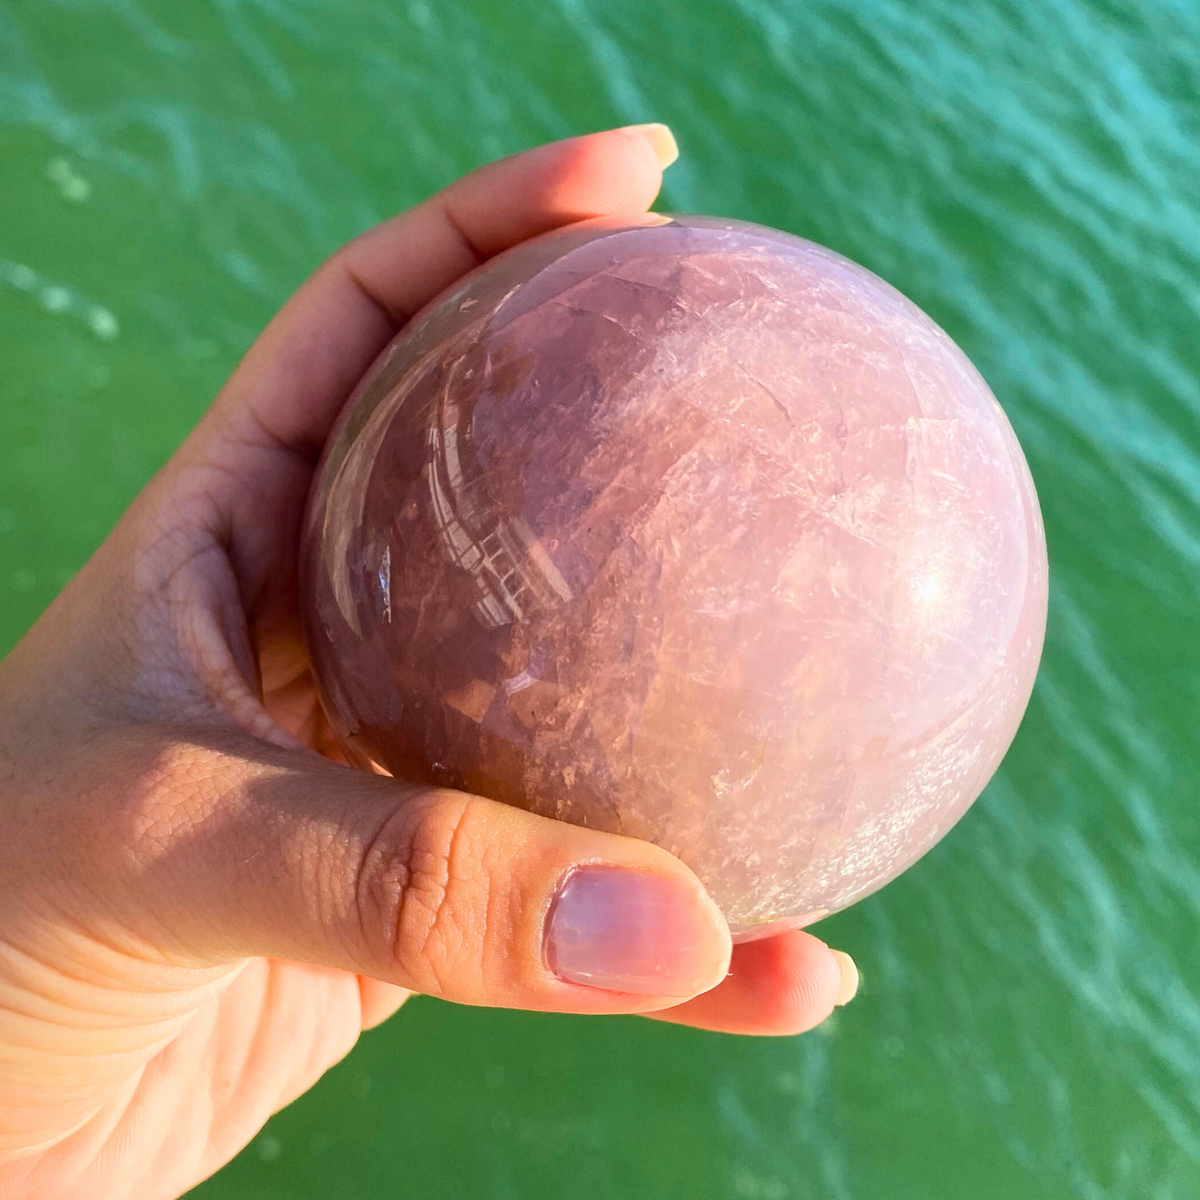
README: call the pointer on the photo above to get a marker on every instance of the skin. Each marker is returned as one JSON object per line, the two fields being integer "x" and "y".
{"x": 201, "y": 906}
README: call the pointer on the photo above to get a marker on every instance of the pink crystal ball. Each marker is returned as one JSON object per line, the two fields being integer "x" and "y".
{"x": 690, "y": 530}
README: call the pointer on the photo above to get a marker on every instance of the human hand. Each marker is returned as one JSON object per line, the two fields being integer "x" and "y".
{"x": 199, "y": 909}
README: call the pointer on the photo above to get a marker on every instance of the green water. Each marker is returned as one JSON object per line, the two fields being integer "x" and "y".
{"x": 1026, "y": 170}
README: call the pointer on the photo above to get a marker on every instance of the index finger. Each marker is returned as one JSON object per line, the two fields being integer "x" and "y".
{"x": 293, "y": 382}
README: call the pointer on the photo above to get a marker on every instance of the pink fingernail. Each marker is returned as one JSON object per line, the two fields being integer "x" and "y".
{"x": 633, "y": 931}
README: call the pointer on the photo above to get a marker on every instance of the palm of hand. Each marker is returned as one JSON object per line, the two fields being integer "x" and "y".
{"x": 183, "y": 1062}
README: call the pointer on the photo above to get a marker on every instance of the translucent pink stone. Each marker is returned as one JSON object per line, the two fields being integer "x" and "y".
{"x": 690, "y": 530}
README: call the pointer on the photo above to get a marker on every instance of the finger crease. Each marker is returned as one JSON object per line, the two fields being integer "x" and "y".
{"x": 395, "y": 316}
{"x": 465, "y": 238}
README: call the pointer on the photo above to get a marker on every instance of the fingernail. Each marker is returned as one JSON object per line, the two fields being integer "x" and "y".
{"x": 849, "y": 985}
{"x": 631, "y": 931}
{"x": 666, "y": 148}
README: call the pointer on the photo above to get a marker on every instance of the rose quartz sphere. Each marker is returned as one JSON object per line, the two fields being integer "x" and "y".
{"x": 690, "y": 530}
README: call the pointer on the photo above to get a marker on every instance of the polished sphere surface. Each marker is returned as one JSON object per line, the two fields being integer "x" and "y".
{"x": 691, "y": 530}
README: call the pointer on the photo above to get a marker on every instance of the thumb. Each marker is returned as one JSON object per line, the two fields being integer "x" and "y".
{"x": 241, "y": 848}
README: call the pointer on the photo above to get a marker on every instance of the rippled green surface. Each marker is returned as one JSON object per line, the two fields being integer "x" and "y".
{"x": 1026, "y": 170}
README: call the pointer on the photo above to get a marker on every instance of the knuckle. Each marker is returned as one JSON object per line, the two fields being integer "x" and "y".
{"x": 424, "y": 893}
